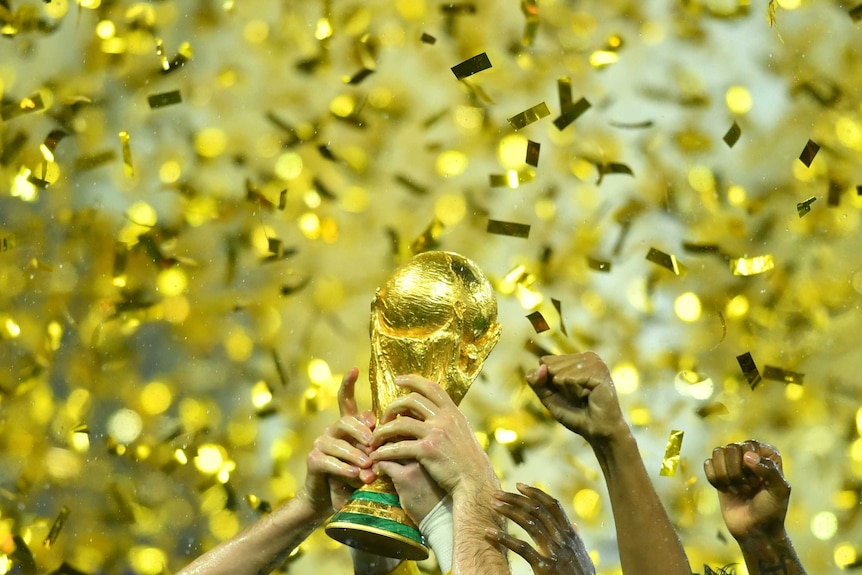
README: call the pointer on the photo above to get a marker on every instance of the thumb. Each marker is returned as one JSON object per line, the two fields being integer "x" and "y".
{"x": 767, "y": 470}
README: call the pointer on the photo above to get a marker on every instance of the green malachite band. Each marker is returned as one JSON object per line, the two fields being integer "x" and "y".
{"x": 385, "y": 524}
{"x": 385, "y": 498}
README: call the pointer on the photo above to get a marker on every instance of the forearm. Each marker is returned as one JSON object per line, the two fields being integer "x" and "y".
{"x": 648, "y": 543}
{"x": 771, "y": 556}
{"x": 262, "y": 546}
{"x": 472, "y": 514}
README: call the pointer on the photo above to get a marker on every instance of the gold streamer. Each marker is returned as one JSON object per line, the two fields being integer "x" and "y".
{"x": 670, "y": 462}
{"x": 127, "y": 154}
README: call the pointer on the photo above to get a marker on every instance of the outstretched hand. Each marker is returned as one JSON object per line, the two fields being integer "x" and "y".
{"x": 340, "y": 462}
{"x": 752, "y": 491}
{"x": 578, "y": 391}
{"x": 559, "y": 549}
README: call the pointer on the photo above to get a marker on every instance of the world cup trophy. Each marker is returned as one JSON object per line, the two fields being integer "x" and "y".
{"x": 435, "y": 317}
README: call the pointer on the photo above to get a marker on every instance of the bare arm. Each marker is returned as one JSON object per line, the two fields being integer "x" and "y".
{"x": 434, "y": 432}
{"x": 754, "y": 495}
{"x": 264, "y": 545}
{"x": 578, "y": 391}
{"x": 337, "y": 463}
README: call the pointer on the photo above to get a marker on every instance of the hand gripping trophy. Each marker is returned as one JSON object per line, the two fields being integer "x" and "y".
{"x": 435, "y": 317}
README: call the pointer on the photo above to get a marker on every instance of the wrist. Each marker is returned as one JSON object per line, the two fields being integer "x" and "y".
{"x": 618, "y": 440}
{"x": 312, "y": 509}
{"x": 760, "y": 537}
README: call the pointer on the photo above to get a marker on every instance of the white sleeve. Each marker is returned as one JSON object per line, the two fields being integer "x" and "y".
{"x": 439, "y": 531}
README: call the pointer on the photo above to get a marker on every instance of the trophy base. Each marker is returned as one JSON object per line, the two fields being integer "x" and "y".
{"x": 379, "y": 540}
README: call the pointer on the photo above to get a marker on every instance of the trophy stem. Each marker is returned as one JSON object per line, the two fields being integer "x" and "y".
{"x": 374, "y": 521}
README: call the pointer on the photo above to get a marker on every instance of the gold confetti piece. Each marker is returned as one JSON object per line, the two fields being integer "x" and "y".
{"x": 533, "y": 149}
{"x": 25, "y": 106}
{"x": 559, "y": 307}
{"x": 59, "y": 522}
{"x": 598, "y": 265}
{"x": 749, "y": 369}
{"x": 164, "y": 99}
{"x": 95, "y": 160}
{"x": 279, "y": 367}
{"x": 711, "y": 409}
{"x": 732, "y": 135}
{"x": 723, "y": 330}
{"x": 571, "y": 113}
{"x": 538, "y": 320}
{"x": 471, "y": 66}
{"x": 184, "y": 54}
{"x": 778, "y": 374}
{"x": 287, "y": 290}
{"x": 358, "y": 77}
{"x": 671, "y": 454}
{"x": 10, "y": 150}
{"x": 564, "y": 89}
{"x": 457, "y": 9}
{"x": 411, "y": 184}
{"x": 326, "y": 152}
{"x": 511, "y": 179}
{"x": 282, "y": 200}
{"x": 127, "y": 154}
{"x": 632, "y": 125}
{"x": 38, "y": 182}
{"x": 529, "y": 116}
{"x": 804, "y": 207}
{"x": 7, "y": 243}
{"x": 613, "y": 168}
{"x": 512, "y": 229}
{"x": 530, "y": 9}
{"x": 429, "y": 239}
{"x": 322, "y": 189}
{"x": 258, "y": 504}
{"x": 808, "y": 154}
{"x": 701, "y": 248}
{"x": 856, "y": 13}
{"x": 50, "y": 144}
{"x": 833, "y": 198}
{"x": 428, "y": 39}
{"x": 752, "y": 266}
{"x": 667, "y": 261}
{"x": 859, "y": 190}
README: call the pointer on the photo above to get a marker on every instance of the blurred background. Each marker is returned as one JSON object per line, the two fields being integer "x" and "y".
{"x": 200, "y": 197}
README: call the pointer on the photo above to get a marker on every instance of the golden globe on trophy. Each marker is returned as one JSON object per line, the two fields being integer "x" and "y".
{"x": 435, "y": 317}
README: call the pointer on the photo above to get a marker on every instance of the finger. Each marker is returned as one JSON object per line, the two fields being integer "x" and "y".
{"x": 538, "y": 376}
{"x": 522, "y": 548}
{"x": 340, "y": 449}
{"x": 733, "y": 463}
{"x": 766, "y": 450}
{"x": 403, "y": 427}
{"x": 398, "y": 472}
{"x": 367, "y": 476}
{"x": 523, "y": 512}
{"x": 346, "y": 400}
{"x": 408, "y": 449}
{"x": 767, "y": 470}
{"x": 709, "y": 471}
{"x": 350, "y": 427}
{"x": 425, "y": 387}
{"x": 413, "y": 404}
{"x": 555, "y": 516}
{"x": 321, "y": 463}
{"x": 720, "y": 479}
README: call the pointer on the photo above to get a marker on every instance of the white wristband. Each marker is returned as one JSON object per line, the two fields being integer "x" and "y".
{"x": 439, "y": 531}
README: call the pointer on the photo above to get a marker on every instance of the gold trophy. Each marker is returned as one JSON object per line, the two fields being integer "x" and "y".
{"x": 435, "y": 317}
